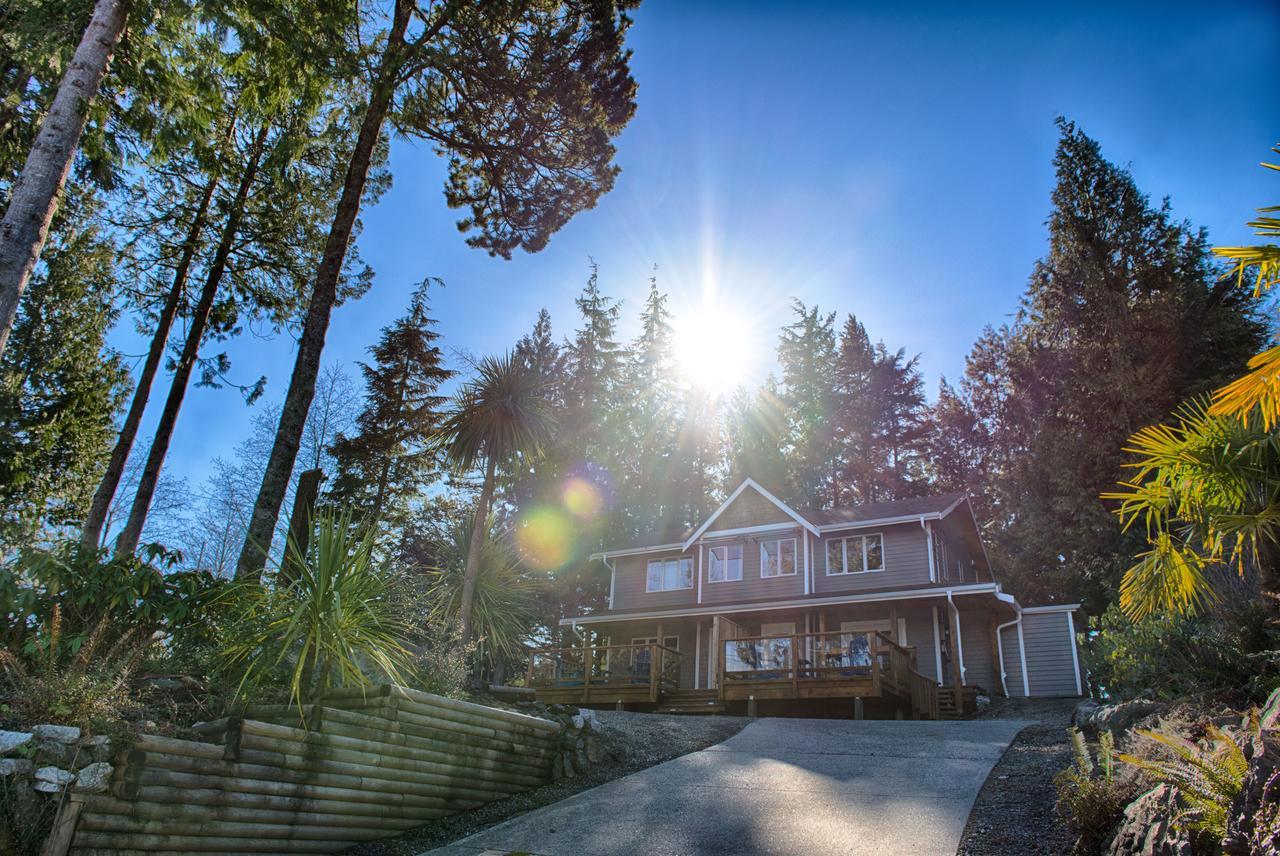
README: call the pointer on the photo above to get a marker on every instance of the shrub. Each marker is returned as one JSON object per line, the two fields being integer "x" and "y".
{"x": 1229, "y": 654}
{"x": 1091, "y": 796}
{"x": 1209, "y": 776}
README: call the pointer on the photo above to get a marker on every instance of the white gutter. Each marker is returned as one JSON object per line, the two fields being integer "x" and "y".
{"x": 803, "y": 603}
{"x": 808, "y": 587}
{"x": 937, "y": 648}
{"x": 635, "y": 551}
{"x": 959, "y": 641}
{"x": 613, "y": 578}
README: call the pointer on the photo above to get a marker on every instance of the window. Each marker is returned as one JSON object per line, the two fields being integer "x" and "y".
{"x": 672, "y": 642}
{"x": 778, "y": 558}
{"x": 856, "y": 554}
{"x": 726, "y": 564}
{"x": 669, "y": 574}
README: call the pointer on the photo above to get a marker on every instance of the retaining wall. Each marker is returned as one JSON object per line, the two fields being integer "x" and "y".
{"x": 367, "y": 765}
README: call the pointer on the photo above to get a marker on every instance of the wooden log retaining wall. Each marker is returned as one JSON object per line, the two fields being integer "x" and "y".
{"x": 367, "y": 764}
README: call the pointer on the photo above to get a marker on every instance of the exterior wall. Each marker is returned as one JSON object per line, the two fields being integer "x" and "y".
{"x": 1050, "y": 666}
{"x": 906, "y": 561}
{"x": 955, "y": 559}
{"x": 975, "y": 634}
{"x": 920, "y": 636}
{"x": 630, "y": 574}
{"x": 750, "y": 509}
{"x": 752, "y": 587}
{"x": 1012, "y": 661}
{"x": 685, "y": 629}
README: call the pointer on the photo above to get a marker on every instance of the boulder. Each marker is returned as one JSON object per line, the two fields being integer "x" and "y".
{"x": 591, "y": 718}
{"x": 50, "y": 780}
{"x": 49, "y": 753}
{"x": 1150, "y": 826}
{"x": 1253, "y": 823}
{"x": 12, "y": 741}
{"x": 98, "y": 747}
{"x": 1120, "y": 717}
{"x": 57, "y": 733}
{"x": 94, "y": 778}
{"x": 16, "y": 767}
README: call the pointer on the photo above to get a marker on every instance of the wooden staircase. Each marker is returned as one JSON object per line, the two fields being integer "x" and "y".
{"x": 947, "y": 708}
{"x": 690, "y": 702}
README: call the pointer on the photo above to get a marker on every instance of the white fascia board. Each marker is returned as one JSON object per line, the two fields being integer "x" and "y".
{"x": 1057, "y": 607}
{"x": 879, "y": 521}
{"x": 749, "y": 483}
{"x": 748, "y": 530}
{"x": 803, "y": 603}
{"x": 635, "y": 551}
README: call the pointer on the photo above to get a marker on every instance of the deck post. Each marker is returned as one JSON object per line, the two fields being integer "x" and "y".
{"x": 795, "y": 667}
{"x": 654, "y": 653}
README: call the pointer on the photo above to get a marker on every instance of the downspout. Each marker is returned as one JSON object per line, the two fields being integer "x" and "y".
{"x": 1022, "y": 654}
{"x": 1004, "y": 684}
{"x": 955, "y": 610}
{"x": 808, "y": 586}
{"x": 928, "y": 537}
{"x": 701, "y": 550}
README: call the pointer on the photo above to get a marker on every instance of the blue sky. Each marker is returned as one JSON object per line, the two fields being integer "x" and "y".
{"x": 894, "y": 164}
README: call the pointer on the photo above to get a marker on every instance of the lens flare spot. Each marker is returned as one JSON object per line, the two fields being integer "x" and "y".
{"x": 582, "y": 498}
{"x": 544, "y": 538}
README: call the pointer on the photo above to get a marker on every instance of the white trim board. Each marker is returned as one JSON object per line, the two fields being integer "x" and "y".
{"x": 749, "y": 483}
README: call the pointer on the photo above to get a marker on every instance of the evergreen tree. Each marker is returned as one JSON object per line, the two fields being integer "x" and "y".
{"x": 1124, "y": 317}
{"x": 388, "y": 462}
{"x": 60, "y": 387}
{"x": 807, "y": 358}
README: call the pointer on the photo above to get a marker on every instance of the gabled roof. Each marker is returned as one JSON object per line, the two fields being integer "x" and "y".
{"x": 754, "y": 485}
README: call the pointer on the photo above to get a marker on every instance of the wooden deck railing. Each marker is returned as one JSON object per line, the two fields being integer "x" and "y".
{"x": 604, "y": 672}
{"x": 824, "y": 665}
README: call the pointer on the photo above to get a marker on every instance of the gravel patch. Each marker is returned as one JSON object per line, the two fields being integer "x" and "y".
{"x": 631, "y": 742}
{"x": 1014, "y": 810}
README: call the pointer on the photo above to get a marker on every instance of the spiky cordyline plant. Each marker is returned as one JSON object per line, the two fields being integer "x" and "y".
{"x": 1207, "y": 489}
{"x": 329, "y": 617}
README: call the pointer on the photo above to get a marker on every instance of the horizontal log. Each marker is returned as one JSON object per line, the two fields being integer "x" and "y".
{"x": 446, "y": 720}
{"x": 164, "y": 795}
{"x": 117, "y": 851}
{"x": 331, "y": 724}
{"x": 396, "y": 745}
{"x": 174, "y": 779}
{"x": 328, "y": 773}
{"x": 172, "y": 746}
{"x": 102, "y": 804}
{"x": 228, "y": 828}
{"x": 410, "y": 724}
{"x": 202, "y": 843}
{"x": 464, "y": 708}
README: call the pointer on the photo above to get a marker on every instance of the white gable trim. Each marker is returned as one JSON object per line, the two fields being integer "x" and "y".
{"x": 749, "y": 483}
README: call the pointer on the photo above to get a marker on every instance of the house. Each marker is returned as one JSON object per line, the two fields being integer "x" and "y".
{"x": 891, "y": 607}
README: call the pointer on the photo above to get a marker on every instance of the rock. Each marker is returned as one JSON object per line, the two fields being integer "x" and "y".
{"x": 50, "y": 780}
{"x": 99, "y": 747}
{"x": 50, "y": 754}
{"x": 1253, "y": 822}
{"x": 1119, "y": 717}
{"x": 591, "y": 718}
{"x": 1084, "y": 713}
{"x": 579, "y": 721}
{"x": 16, "y": 767}
{"x": 57, "y": 733}
{"x": 982, "y": 700}
{"x": 12, "y": 741}
{"x": 1149, "y": 827}
{"x": 94, "y": 778}
{"x": 1269, "y": 715}
{"x": 595, "y": 749}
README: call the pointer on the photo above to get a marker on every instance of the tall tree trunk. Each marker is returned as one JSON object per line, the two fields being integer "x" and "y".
{"x": 35, "y": 196}
{"x": 127, "y": 543}
{"x": 91, "y": 535}
{"x": 306, "y": 367}
{"x": 478, "y": 526}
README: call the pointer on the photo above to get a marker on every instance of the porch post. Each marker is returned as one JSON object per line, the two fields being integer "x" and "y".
{"x": 586, "y": 664}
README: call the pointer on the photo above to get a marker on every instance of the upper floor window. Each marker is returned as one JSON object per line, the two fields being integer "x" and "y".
{"x": 778, "y": 558}
{"x": 670, "y": 574}
{"x": 726, "y": 563}
{"x": 856, "y": 554}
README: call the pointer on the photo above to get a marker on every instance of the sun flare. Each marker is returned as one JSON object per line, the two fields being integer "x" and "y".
{"x": 713, "y": 348}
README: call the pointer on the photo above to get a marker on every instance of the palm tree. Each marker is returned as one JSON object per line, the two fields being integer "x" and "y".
{"x": 500, "y": 414}
{"x": 502, "y": 610}
{"x": 1207, "y": 489}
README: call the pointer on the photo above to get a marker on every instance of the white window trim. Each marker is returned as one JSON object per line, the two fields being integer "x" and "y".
{"x": 652, "y": 640}
{"x": 689, "y": 587}
{"x": 844, "y": 555}
{"x": 741, "y": 562}
{"x": 795, "y": 558}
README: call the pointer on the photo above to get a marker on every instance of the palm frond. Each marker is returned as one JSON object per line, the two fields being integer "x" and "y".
{"x": 1256, "y": 394}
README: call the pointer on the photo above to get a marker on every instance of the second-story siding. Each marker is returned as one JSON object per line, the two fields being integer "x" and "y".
{"x": 906, "y": 561}
{"x": 630, "y": 576}
{"x": 752, "y": 587}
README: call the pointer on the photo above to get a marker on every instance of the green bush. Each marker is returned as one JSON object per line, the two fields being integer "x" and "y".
{"x": 1091, "y": 796}
{"x": 1230, "y": 654}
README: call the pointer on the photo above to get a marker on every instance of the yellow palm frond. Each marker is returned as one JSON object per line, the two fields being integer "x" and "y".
{"x": 1256, "y": 395}
{"x": 1168, "y": 577}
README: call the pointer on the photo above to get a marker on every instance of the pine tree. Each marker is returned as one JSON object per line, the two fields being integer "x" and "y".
{"x": 388, "y": 462}
{"x": 807, "y": 357}
{"x": 60, "y": 387}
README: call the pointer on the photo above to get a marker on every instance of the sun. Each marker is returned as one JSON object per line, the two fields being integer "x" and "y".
{"x": 714, "y": 347}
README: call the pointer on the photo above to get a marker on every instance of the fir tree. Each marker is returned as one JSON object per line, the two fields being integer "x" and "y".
{"x": 387, "y": 462}
{"x": 807, "y": 357}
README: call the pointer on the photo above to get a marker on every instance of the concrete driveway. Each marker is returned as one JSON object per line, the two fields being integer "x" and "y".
{"x": 804, "y": 786}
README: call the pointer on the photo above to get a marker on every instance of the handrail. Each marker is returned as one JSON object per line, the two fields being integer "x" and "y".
{"x": 578, "y": 649}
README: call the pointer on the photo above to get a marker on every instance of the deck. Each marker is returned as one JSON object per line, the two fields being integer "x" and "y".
{"x": 799, "y": 666}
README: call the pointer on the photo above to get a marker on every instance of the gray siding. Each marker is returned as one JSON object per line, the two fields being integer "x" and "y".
{"x": 752, "y": 587}
{"x": 1050, "y": 668}
{"x": 920, "y": 637}
{"x": 1012, "y": 661}
{"x": 975, "y": 633}
{"x": 906, "y": 561}
{"x": 629, "y": 582}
